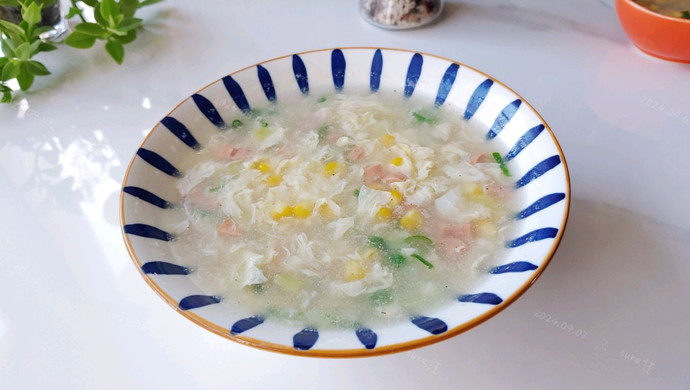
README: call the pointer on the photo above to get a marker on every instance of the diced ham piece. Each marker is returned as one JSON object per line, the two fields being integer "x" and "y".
{"x": 373, "y": 173}
{"x": 462, "y": 231}
{"x": 229, "y": 228}
{"x": 394, "y": 178}
{"x": 229, "y": 152}
{"x": 356, "y": 154}
{"x": 452, "y": 246}
{"x": 497, "y": 190}
{"x": 200, "y": 197}
{"x": 476, "y": 158}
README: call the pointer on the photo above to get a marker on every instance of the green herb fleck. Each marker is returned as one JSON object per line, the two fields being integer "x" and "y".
{"x": 215, "y": 189}
{"x": 685, "y": 14}
{"x": 381, "y": 297}
{"x": 501, "y": 163}
{"x": 378, "y": 243}
{"x": 397, "y": 259}
{"x": 263, "y": 123}
{"x": 236, "y": 124}
{"x": 425, "y": 117}
{"x": 356, "y": 192}
{"x": 323, "y": 131}
{"x": 259, "y": 288}
{"x": 423, "y": 260}
{"x": 321, "y": 99}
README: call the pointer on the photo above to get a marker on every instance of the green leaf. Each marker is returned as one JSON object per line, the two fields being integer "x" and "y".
{"x": 73, "y": 11}
{"x": 25, "y": 78}
{"x": 149, "y": 2}
{"x": 23, "y": 51}
{"x": 31, "y": 14}
{"x": 92, "y": 29}
{"x": 6, "y": 94}
{"x": 3, "y": 61}
{"x": 10, "y": 29}
{"x": 7, "y": 47}
{"x": 129, "y": 23}
{"x": 97, "y": 15}
{"x": 37, "y": 68}
{"x": 116, "y": 50}
{"x": 129, "y": 37}
{"x": 116, "y": 32}
{"x": 129, "y": 7}
{"x": 35, "y": 47}
{"x": 685, "y": 14}
{"x": 109, "y": 8}
{"x": 90, "y": 3}
{"x": 44, "y": 46}
{"x": 40, "y": 30}
{"x": 80, "y": 40}
{"x": 9, "y": 71}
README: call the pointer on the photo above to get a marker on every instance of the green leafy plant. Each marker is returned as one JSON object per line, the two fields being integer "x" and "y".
{"x": 114, "y": 22}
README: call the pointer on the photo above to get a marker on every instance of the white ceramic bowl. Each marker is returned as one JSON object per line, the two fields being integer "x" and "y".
{"x": 535, "y": 159}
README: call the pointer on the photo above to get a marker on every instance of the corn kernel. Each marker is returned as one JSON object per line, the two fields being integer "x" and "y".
{"x": 398, "y": 161}
{"x": 262, "y": 166}
{"x": 325, "y": 211}
{"x": 287, "y": 211}
{"x": 262, "y": 133}
{"x": 412, "y": 220}
{"x": 384, "y": 214}
{"x": 474, "y": 189}
{"x": 274, "y": 180}
{"x": 303, "y": 210}
{"x": 486, "y": 229}
{"x": 332, "y": 168}
{"x": 387, "y": 140}
{"x": 370, "y": 255}
{"x": 354, "y": 271}
{"x": 396, "y": 198}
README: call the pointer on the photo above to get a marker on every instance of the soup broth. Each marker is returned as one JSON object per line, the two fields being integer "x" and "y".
{"x": 675, "y": 8}
{"x": 341, "y": 211}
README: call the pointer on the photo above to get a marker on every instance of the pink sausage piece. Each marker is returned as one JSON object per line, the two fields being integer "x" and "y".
{"x": 394, "y": 178}
{"x": 373, "y": 173}
{"x": 356, "y": 154}
{"x": 462, "y": 232}
{"x": 476, "y": 158}
{"x": 199, "y": 197}
{"x": 229, "y": 152}
{"x": 453, "y": 246}
{"x": 229, "y": 228}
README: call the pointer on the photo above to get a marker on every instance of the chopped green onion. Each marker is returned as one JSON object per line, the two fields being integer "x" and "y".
{"x": 423, "y": 260}
{"x": 321, "y": 99}
{"x": 397, "y": 259}
{"x": 425, "y": 118}
{"x": 501, "y": 163}
{"x": 215, "y": 189}
{"x": 381, "y": 297}
{"x": 264, "y": 123}
{"x": 236, "y": 123}
{"x": 323, "y": 130}
{"x": 378, "y": 243}
{"x": 259, "y": 288}
{"x": 356, "y": 193}
{"x": 420, "y": 243}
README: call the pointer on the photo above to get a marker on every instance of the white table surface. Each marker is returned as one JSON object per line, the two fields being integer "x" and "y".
{"x": 76, "y": 314}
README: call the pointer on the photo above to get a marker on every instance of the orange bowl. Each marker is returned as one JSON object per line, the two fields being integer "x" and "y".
{"x": 655, "y": 34}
